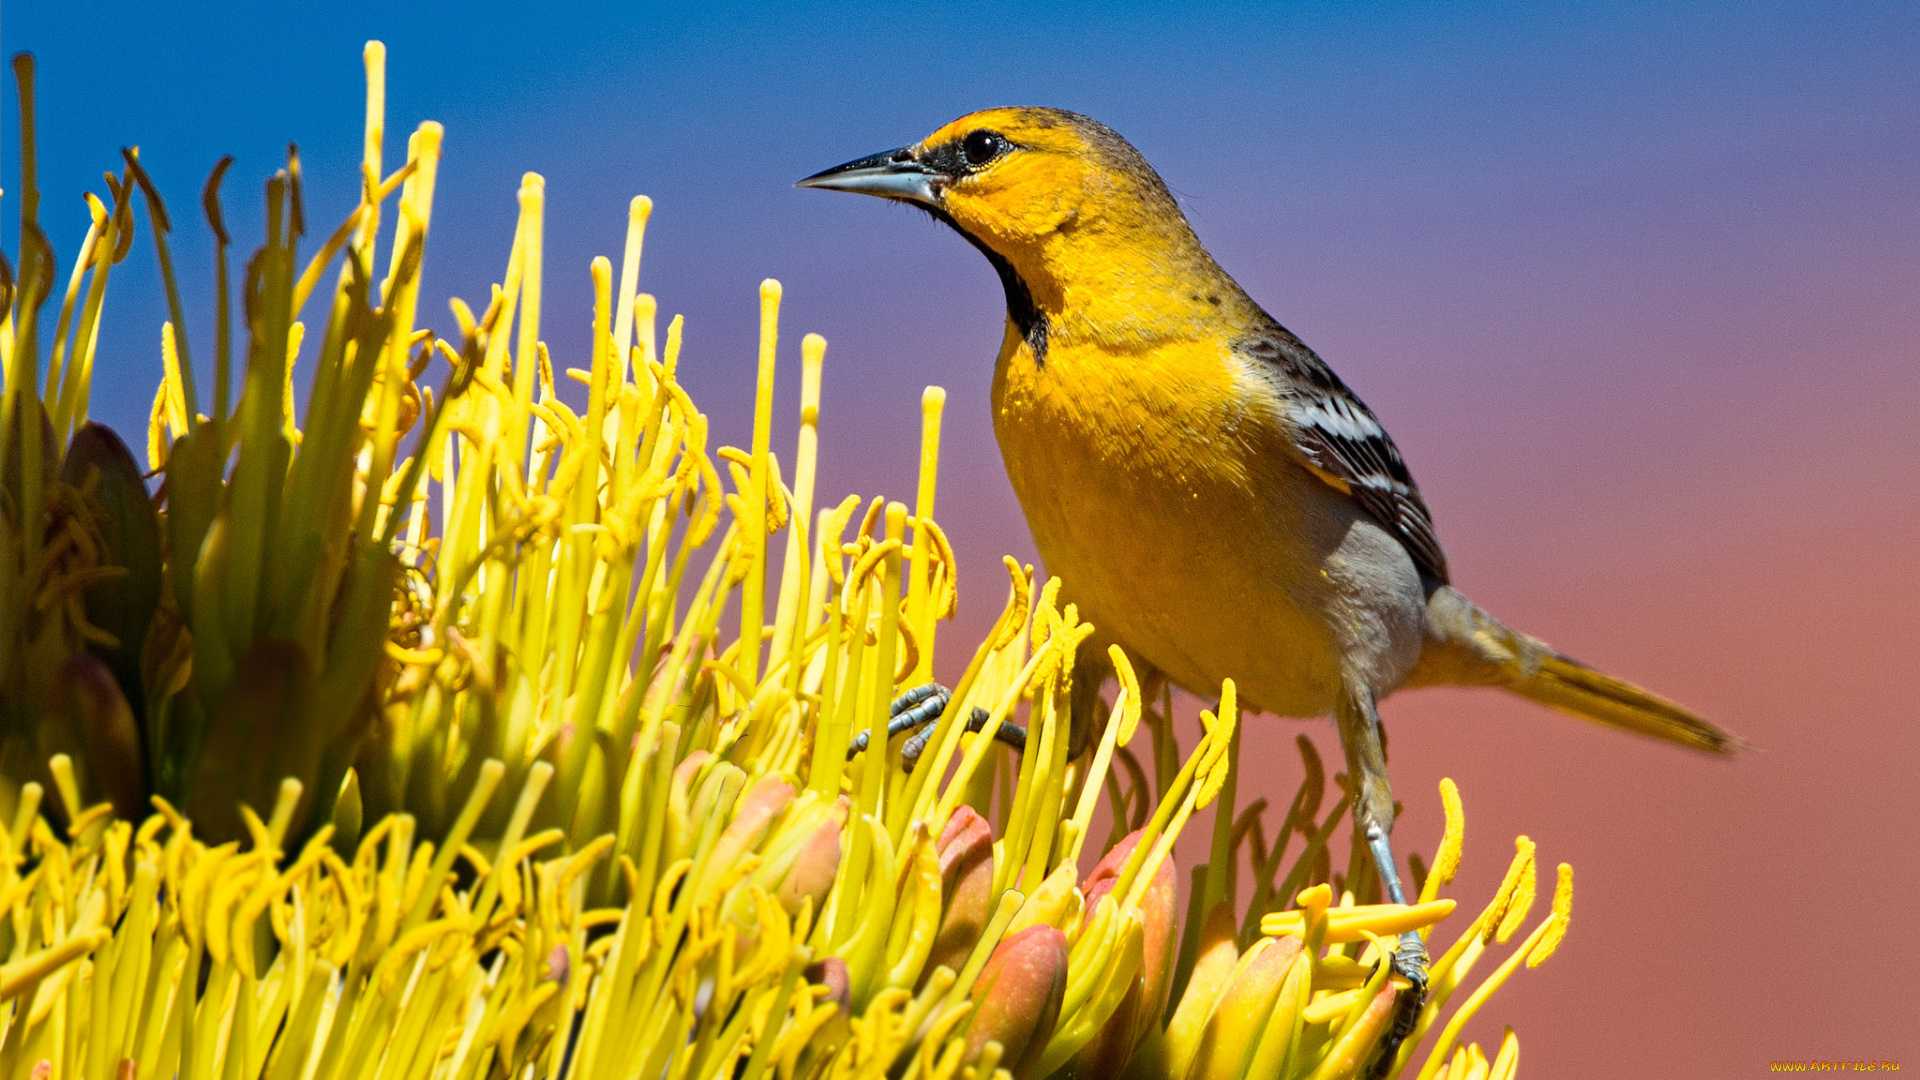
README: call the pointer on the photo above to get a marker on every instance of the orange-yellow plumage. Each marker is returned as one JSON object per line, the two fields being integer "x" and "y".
{"x": 1213, "y": 497}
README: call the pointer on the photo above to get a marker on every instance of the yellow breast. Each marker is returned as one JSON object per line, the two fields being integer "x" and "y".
{"x": 1158, "y": 488}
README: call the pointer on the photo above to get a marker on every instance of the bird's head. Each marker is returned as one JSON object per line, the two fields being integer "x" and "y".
{"x": 1057, "y": 201}
{"x": 1011, "y": 177}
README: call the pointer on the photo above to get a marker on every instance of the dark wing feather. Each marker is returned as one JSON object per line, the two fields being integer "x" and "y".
{"x": 1340, "y": 437}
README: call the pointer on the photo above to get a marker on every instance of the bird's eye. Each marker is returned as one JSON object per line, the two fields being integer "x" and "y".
{"x": 983, "y": 146}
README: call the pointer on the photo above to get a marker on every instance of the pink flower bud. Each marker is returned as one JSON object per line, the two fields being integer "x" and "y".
{"x": 681, "y": 828}
{"x": 751, "y": 816}
{"x": 1017, "y": 997}
{"x": 832, "y": 973}
{"x": 668, "y": 679}
{"x": 817, "y": 863}
{"x": 966, "y": 880}
{"x": 1140, "y": 1010}
{"x": 832, "y": 1034}
{"x": 683, "y": 773}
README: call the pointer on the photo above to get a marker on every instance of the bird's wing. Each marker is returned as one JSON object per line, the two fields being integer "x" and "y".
{"x": 1345, "y": 444}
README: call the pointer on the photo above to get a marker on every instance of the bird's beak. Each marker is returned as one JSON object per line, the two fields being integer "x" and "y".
{"x": 894, "y": 174}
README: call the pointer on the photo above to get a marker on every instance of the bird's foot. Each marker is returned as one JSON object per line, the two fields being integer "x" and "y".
{"x": 919, "y": 710}
{"x": 1409, "y": 961}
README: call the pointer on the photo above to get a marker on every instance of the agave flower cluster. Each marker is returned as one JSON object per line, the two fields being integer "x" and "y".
{"x": 548, "y": 707}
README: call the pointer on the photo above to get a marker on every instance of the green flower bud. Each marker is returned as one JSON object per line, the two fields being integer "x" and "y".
{"x": 1240, "y": 1016}
{"x": 816, "y": 863}
{"x": 122, "y": 606}
{"x": 1212, "y": 971}
{"x": 93, "y": 725}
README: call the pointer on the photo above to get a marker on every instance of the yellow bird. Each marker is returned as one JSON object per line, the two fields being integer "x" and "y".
{"x": 1212, "y": 496}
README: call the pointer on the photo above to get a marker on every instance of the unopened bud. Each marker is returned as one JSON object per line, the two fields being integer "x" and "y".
{"x": 1212, "y": 971}
{"x": 815, "y": 866}
{"x": 1240, "y": 1016}
{"x": 1017, "y": 997}
{"x": 966, "y": 885}
{"x": 832, "y": 974}
{"x": 751, "y": 816}
{"x": 1140, "y": 1010}
{"x": 99, "y": 731}
{"x": 801, "y": 857}
{"x": 680, "y": 823}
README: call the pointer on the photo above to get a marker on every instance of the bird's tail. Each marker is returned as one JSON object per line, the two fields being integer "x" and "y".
{"x": 1466, "y": 646}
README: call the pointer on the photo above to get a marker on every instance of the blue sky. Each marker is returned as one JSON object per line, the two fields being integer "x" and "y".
{"x": 1322, "y": 150}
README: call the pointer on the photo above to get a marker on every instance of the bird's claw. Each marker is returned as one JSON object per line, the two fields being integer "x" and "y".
{"x": 919, "y": 710}
{"x": 1410, "y": 962}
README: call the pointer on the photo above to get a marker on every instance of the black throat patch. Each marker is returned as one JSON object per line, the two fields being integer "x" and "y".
{"x": 1026, "y": 316}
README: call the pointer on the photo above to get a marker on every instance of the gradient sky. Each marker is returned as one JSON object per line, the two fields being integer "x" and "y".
{"x": 1637, "y": 289}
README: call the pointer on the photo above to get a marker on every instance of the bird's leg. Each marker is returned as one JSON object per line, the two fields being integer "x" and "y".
{"x": 1091, "y": 669}
{"x": 919, "y": 709}
{"x": 1373, "y": 813}
{"x": 1373, "y": 817}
